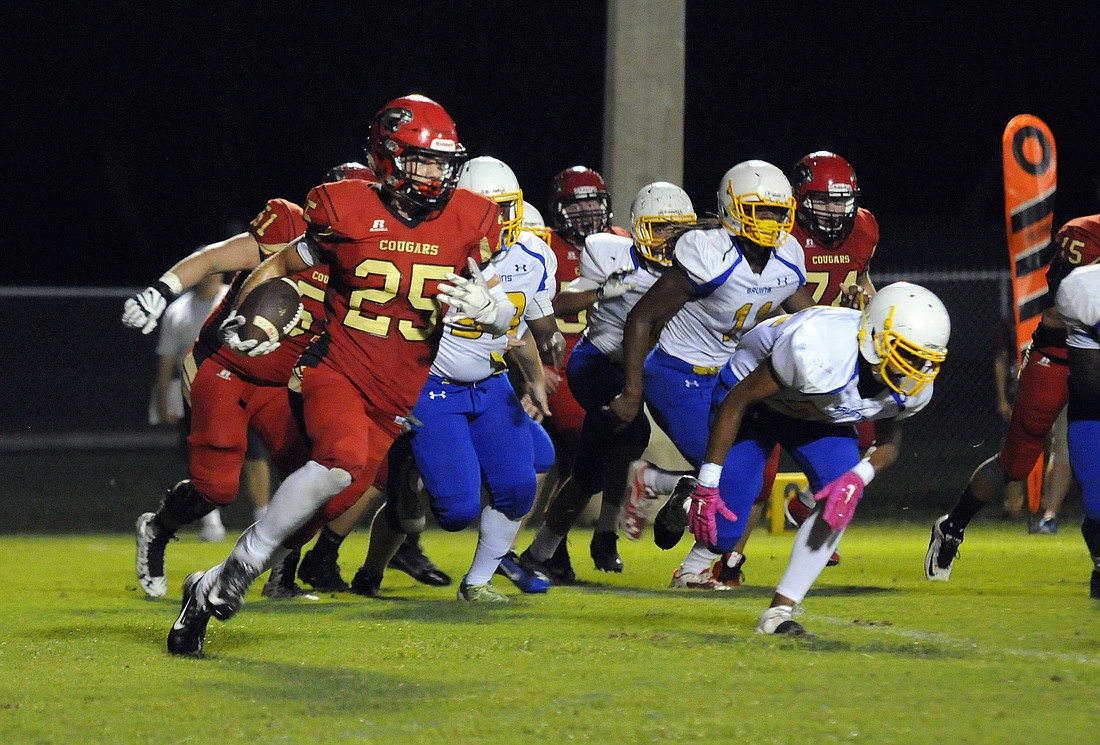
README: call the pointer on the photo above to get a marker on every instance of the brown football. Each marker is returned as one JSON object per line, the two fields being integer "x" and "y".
{"x": 271, "y": 310}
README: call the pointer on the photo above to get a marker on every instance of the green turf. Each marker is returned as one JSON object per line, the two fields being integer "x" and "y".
{"x": 1007, "y": 652}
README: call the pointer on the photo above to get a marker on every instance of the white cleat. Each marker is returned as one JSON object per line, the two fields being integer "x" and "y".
{"x": 942, "y": 550}
{"x": 638, "y": 501}
{"x": 149, "y": 562}
{"x": 777, "y": 620}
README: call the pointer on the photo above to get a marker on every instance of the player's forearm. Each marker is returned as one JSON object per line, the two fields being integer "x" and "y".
{"x": 231, "y": 255}
{"x": 571, "y": 302}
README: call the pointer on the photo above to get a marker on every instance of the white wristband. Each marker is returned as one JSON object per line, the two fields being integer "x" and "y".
{"x": 709, "y": 474}
{"x": 172, "y": 281}
{"x": 864, "y": 470}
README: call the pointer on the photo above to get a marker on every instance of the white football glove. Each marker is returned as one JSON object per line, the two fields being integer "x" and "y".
{"x": 144, "y": 309}
{"x": 617, "y": 284}
{"x": 250, "y": 347}
{"x": 470, "y": 297}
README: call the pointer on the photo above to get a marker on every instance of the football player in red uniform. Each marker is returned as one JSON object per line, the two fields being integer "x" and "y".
{"x": 1042, "y": 393}
{"x": 227, "y": 394}
{"x": 579, "y": 205}
{"x": 388, "y": 245}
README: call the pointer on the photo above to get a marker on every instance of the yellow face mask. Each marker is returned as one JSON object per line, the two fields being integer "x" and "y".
{"x": 906, "y": 368}
{"x": 764, "y": 222}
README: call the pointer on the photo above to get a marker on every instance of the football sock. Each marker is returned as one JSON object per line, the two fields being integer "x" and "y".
{"x": 292, "y": 505}
{"x": 660, "y": 480}
{"x": 545, "y": 544}
{"x": 699, "y": 559}
{"x": 967, "y": 507}
{"x": 610, "y": 510}
{"x": 806, "y": 562}
{"x": 328, "y": 542}
{"x": 1090, "y": 531}
{"x": 495, "y": 536}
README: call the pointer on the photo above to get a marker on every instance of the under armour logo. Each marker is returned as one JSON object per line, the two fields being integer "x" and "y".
{"x": 691, "y": 383}
{"x": 225, "y": 374}
{"x": 521, "y": 267}
{"x": 377, "y": 226}
{"x": 781, "y": 281}
{"x": 433, "y": 395}
{"x": 1044, "y": 362}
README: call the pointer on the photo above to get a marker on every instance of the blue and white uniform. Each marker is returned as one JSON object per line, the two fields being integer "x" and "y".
{"x": 1078, "y": 300}
{"x": 469, "y": 425}
{"x": 815, "y": 355}
{"x": 595, "y": 371}
{"x": 730, "y": 299}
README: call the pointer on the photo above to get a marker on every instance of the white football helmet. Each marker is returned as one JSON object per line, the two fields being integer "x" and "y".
{"x": 493, "y": 178}
{"x": 532, "y": 221}
{"x": 904, "y": 336}
{"x": 755, "y": 201}
{"x": 659, "y": 203}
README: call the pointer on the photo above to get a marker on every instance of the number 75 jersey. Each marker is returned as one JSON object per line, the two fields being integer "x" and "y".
{"x": 384, "y": 274}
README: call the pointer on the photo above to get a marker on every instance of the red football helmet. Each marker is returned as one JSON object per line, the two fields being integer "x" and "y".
{"x": 351, "y": 169}
{"x": 415, "y": 152}
{"x": 579, "y": 204}
{"x": 828, "y": 197}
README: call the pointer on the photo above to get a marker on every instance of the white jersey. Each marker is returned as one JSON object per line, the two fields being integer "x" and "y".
{"x": 1078, "y": 301}
{"x": 815, "y": 355}
{"x": 526, "y": 270}
{"x": 604, "y": 254}
{"x": 732, "y": 298}
{"x": 179, "y": 327}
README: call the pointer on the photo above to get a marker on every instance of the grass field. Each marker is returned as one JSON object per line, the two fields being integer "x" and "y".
{"x": 1007, "y": 652}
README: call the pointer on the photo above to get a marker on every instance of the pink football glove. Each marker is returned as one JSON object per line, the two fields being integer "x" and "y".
{"x": 841, "y": 496}
{"x": 705, "y": 503}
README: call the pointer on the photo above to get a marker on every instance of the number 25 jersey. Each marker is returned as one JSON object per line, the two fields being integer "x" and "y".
{"x": 384, "y": 274}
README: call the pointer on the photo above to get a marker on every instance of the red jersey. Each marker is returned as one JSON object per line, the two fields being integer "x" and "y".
{"x": 1077, "y": 244}
{"x": 384, "y": 276}
{"x": 829, "y": 268}
{"x": 279, "y": 223}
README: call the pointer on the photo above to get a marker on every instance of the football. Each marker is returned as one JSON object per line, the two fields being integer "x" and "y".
{"x": 271, "y": 310}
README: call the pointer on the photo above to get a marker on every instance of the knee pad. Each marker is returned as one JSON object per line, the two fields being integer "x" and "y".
{"x": 185, "y": 504}
{"x": 455, "y": 517}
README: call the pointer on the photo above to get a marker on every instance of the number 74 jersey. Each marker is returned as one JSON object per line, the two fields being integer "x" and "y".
{"x": 384, "y": 274}
{"x": 828, "y": 269}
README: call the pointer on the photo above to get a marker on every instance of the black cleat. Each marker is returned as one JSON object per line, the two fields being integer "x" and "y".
{"x": 1094, "y": 585}
{"x": 411, "y": 560}
{"x": 367, "y": 584}
{"x": 280, "y": 583}
{"x": 227, "y": 594}
{"x": 604, "y": 553}
{"x": 189, "y": 630}
{"x": 561, "y": 568}
{"x": 320, "y": 571}
{"x": 671, "y": 520}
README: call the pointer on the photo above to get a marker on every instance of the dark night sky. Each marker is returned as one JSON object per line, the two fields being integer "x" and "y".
{"x": 134, "y": 133}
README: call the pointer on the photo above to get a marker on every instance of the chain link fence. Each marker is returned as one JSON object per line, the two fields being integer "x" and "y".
{"x": 77, "y": 453}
